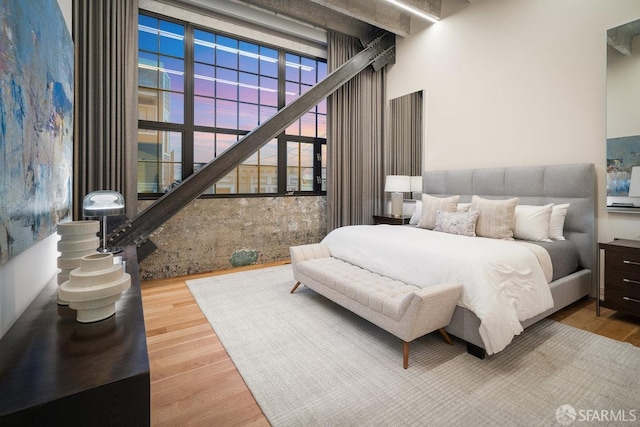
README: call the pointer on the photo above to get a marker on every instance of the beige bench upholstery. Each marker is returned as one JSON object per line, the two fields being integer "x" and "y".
{"x": 406, "y": 311}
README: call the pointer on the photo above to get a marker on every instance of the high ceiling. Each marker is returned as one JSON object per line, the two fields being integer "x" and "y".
{"x": 357, "y": 18}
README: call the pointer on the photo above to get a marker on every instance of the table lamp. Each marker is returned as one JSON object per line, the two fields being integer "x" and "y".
{"x": 103, "y": 203}
{"x": 397, "y": 185}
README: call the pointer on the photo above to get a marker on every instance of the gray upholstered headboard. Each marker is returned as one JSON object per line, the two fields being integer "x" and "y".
{"x": 534, "y": 185}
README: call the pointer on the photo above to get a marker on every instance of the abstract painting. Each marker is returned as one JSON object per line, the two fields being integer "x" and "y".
{"x": 36, "y": 123}
{"x": 622, "y": 155}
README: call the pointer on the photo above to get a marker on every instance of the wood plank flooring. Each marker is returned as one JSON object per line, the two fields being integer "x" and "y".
{"x": 194, "y": 382}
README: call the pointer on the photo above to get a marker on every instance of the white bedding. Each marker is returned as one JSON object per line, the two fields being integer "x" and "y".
{"x": 503, "y": 281}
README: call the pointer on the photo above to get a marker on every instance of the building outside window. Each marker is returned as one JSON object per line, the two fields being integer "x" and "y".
{"x": 200, "y": 92}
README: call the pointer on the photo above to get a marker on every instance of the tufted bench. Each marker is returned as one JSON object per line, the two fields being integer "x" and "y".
{"x": 406, "y": 311}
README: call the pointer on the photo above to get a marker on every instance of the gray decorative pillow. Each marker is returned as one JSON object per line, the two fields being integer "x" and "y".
{"x": 461, "y": 223}
{"x": 496, "y": 219}
{"x": 430, "y": 207}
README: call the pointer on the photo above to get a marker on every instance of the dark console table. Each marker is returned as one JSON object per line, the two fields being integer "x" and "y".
{"x": 56, "y": 371}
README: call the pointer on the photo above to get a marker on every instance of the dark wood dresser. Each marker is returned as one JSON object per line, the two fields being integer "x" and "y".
{"x": 56, "y": 371}
{"x": 392, "y": 220}
{"x": 622, "y": 276}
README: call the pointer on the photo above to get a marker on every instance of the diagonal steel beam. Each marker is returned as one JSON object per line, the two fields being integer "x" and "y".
{"x": 137, "y": 230}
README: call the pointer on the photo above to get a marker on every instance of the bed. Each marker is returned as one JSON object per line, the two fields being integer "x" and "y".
{"x": 535, "y": 185}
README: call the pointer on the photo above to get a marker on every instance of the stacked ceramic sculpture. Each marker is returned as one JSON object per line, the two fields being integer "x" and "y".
{"x": 77, "y": 239}
{"x": 94, "y": 287}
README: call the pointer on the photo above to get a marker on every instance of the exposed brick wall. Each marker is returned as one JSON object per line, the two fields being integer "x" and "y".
{"x": 216, "y": 234}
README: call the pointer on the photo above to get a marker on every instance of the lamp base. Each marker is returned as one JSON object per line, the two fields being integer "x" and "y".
{"x": 111, "y": 250}
{"x": 104, "y": 248}
{"x": 397, "y": 200}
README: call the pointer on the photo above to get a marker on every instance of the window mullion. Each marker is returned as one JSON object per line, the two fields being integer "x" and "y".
{"x": 282, "y": 142}
{"x": 188, "y": 135}
{"x": 282, "y": 164}
{"x": 317, "y": 166}
{"x": 300, "y": 176}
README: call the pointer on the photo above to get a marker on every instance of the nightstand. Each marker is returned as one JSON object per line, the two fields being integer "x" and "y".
{"x": 621, "y": 277}
{"x": 388, "y": 219}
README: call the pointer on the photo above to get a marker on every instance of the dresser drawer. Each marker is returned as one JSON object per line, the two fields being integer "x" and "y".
{"x": 622, "y": 278}
{"x": 626, "y": 261}
{"x": 626, "y": 300}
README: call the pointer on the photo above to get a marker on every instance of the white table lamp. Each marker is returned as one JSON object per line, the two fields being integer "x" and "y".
{"x": 397, "y": 185}
{"x": 103, "y": 203}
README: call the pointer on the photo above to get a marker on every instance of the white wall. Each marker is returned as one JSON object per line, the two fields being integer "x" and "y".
{"x": 515, "y": 83}
{"x": 24, "y": 276}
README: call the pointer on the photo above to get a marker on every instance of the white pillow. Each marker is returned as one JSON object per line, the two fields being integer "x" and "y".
{"x": 430, "y": 207}
{"x": 496, "y": 217}
{"x": 463, "y": 207}
{"x": 417, "y": 211}
{"x": 532, "y": 222}
{"x": 556, "y": 223}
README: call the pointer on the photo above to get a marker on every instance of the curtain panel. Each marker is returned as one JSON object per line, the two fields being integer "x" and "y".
{"x": 355, "y": 117}
{"x": 105, "y": 34}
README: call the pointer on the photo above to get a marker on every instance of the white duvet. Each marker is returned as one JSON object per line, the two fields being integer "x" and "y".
{"x": 504, "y": 282}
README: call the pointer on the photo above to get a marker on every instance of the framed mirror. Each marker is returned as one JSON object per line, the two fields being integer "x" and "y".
{"x": 403, "y": 149}
{"x": 403, "y": 146}
{"x": 623, "y": 118}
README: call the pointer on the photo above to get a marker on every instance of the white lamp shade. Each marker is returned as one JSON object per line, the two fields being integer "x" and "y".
{"x": 102, "y": 203}
{"x": 397, "y": 183}
{"x": 416, "y": 184}
{"x": 634, "y": 182}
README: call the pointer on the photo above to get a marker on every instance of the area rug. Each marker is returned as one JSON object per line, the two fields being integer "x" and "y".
{"x": 309, "y": 362}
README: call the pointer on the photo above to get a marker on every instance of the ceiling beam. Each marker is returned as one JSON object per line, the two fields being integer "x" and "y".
{"x": 621, "y": 38}
{"x": 379, "y": 14}
{"x": 430, "y": 7}
{"x": 317, "y": 15}
{"x": 363, "y": 19}
{"x": 236, "y": 12}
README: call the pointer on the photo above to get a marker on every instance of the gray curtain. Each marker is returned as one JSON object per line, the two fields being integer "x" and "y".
{"x": 355, "y": 119}
{"x": 105, "y": 34}
{"x": 403, "y": 149}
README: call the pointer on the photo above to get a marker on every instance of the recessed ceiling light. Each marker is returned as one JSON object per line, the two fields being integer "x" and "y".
{"x": 415, "y": 11}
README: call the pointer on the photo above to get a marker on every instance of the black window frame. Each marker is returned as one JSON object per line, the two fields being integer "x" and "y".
{"x": 188, "y": 128}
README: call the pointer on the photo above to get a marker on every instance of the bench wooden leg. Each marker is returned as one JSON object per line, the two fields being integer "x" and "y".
{"x": 295, "y": 287}
{"x": 445, "y": 336}
{"x": 405, "y": 355}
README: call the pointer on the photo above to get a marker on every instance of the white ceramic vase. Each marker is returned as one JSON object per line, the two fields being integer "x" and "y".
{"x": 94, "y": 287}
{"x": 77, "y": 239}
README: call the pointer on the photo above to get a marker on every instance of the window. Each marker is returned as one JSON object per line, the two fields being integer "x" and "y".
{"x": 200, "y": 92}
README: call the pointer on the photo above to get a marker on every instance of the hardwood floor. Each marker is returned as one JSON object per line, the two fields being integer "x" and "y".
{"x": 611, "y": 324}
{"x": 194, "y": 382}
